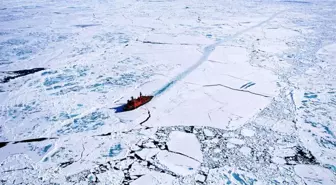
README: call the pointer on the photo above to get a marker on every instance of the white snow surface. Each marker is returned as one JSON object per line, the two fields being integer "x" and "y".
{"x": 179, "y": 164}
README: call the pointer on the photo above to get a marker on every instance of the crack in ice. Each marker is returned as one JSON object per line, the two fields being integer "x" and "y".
{"x": 212, "y": 85}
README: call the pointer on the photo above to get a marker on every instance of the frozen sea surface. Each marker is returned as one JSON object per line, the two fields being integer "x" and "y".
{"x": 244, "y": 92}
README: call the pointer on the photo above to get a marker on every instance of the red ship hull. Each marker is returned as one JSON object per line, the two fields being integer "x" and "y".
{"x": 135, "y": 103}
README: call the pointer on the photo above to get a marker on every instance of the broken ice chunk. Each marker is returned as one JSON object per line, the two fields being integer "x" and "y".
{"x": 185, "y": 143}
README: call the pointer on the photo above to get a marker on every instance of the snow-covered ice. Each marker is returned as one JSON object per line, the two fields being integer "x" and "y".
{"x": 186, "y": 144}
{"x": 244, "y": 92}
